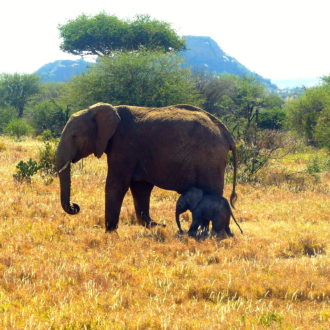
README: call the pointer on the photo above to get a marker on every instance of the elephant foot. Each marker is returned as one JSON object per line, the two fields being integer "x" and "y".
{"x": 223, "y": 234}
{"x": 110, "y": 230}
{"x": 199, "y": 235}
{"x": 228, "y": 232}
{"x": 110, "y": 227}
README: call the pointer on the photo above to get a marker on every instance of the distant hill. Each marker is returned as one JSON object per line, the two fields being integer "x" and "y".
{"x": 202, "y": 53}
{"x": 62, "y": 70}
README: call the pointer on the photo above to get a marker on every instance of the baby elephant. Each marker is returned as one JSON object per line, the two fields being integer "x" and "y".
{"x": 205, "y": 207}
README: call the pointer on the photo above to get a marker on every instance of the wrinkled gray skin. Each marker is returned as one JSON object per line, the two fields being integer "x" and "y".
{"x": 174, "y": 148}
{"x": 205, "y": 207}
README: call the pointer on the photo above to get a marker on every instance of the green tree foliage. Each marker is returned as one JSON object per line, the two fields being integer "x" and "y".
{"x": 138, "y": 78}
{"x": 309, "y": 114}
{"x": 49, "y": 115}
{"x": 18, "y": 127}
{"x": 104, "y": 34}
{"x": 272, "y": 115}
{"x": 25, "y": 171}
{"x": 6, "y": 115}
{"x": 49, "y": 110}
{"x": 271, "y": 118}
{"x": 16, "y": 90}
{"x": 240, "y": 101}
{"x": 245, "y": 106}
{"x": 235, "y": 99}
{"x": 322, "y": 128}
{"x": 50, "y": 90}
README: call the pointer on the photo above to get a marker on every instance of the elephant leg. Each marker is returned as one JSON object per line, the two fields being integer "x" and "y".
{"x": 194, "y": 226}
{"x": 141, "y": 192}
{"x": 115, "y": 190}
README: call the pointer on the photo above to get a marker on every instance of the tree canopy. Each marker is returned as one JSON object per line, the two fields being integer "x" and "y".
{"x": 17, "y": 89}
{"x": 309, "y": 114}
{"x": 140, "y": 78}
{"x": 241, "y": 102}
{"x": 104, "y": 34}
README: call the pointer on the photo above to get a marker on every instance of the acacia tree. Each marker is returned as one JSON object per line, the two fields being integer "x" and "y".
{"x": 104, "y": 34}
{"x": 17, "y": 89}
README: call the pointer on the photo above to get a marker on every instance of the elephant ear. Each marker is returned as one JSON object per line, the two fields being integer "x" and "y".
{"x": 107, "y": 120}
{"x": 193, "y": 197}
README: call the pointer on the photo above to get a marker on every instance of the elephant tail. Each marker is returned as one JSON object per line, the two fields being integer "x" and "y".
{"x": 232, "y": 215}
{"x": 233, "y": 196}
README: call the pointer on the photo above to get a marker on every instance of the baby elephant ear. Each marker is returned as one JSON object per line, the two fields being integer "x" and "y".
{"x": 107, "y": 120}
{"x": 194, "y": 196}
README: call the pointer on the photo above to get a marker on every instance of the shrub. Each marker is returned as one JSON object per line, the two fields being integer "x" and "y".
{"x": 139, "y": 78}
{"x": 322, "y": 129}
{"x": 314, "y": 166}
{"x": 309, "y": 115}
{"x": 45, "y": 166}
{"x": 47, "y": 161}
{"x": 271, "y": 119}
{"x": 18, "y": 128}
{"x": 253, "y": 156}
{"x": 6, "y": 115}
{"x": 25, "y": 170}
{"x": 48, "y": 115}
{"x": 47, "y": 135}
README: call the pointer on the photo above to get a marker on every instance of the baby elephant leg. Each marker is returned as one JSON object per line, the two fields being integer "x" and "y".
{"x": 194, "y": 226}
{"x": 228, "y": 232}
{"x": 181, "y": 206}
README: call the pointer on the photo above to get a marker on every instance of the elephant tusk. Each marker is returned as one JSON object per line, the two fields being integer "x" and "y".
{"x": 64, "y": 167}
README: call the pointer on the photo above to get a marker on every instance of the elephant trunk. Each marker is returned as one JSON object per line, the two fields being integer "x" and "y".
{"x": 177, "y": 219}
{"x": 64, "y": 173}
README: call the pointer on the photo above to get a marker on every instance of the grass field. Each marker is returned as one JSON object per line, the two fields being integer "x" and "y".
{"x": 63, "y": 272}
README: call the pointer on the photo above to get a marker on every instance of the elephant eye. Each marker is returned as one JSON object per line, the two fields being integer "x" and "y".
{"x": 74, "y": 136}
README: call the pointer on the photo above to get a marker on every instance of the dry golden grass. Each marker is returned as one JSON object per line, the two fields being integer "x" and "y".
{"x": 63, "y": 272}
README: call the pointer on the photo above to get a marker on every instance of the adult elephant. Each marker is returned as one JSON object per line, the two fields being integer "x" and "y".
{"x": 174, "y": 148}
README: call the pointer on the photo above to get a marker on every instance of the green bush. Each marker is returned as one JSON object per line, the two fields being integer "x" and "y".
{"x": 139, "y": 78}
{"x": 271, "y": 119}
{"x": 322, "y": 129}
{"x": 314, "y": 166}
{"x": 45, "y": 166}
{"x": 309, "y": 115}
{"x": 25, "y": 170}
{"x": 47, "y": 161}
{"x": 48, "y": 115}
{"x": 6, "y": 115}
{"x": 18, "y": 128}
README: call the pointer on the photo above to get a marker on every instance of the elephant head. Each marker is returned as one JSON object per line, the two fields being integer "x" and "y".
{"x": 87, "y": 131}
{"x": 192, "y": 198}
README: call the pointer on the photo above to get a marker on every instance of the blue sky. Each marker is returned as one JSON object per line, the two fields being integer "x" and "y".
{"x": 279, "y": 39}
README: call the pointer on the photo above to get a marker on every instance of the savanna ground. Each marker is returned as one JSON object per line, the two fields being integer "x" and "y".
{"x": 63, "y": 272}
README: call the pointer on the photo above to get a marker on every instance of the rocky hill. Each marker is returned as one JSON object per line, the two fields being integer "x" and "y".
{"x": 62, "y": 70}
{"x": 204, "y": 53}
{"x": 201, "y": 53}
